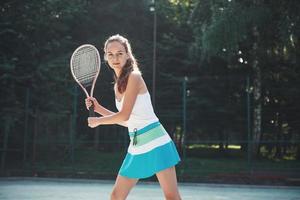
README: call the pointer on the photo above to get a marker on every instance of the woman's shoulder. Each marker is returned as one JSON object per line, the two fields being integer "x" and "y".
{"x": 135, "y": 75}
{"x": 136, "y": 72}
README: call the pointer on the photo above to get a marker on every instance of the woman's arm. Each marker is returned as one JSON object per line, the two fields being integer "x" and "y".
{"x": 100, "y": 109}
{"x": 132, "y": 90}
{"x": 105, "y": 112}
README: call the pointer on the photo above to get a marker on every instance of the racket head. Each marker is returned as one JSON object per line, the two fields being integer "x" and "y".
{"x": 85, "y": 66}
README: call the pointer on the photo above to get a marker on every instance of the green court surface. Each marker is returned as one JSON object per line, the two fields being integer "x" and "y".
{"x": 73, "y": 189}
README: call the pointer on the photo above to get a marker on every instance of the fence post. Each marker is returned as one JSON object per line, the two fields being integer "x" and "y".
{"x": 35, "y": 134}
{"x": 5, "y": 141}
{"x": 26, "y": 124}
{"x": 184, "y": 116}
{"x": 249, "y": 145}
{"x": 96, "y": 138}
{"x": 73, "y": 124}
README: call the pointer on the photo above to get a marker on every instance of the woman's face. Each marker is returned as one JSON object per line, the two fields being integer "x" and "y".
{"x": 116, "y": 55}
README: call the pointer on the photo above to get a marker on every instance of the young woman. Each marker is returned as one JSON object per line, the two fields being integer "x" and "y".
{"x": 151, "y": 150}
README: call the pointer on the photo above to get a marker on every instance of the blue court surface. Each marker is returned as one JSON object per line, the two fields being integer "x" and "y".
{"x": 73, "y": 189}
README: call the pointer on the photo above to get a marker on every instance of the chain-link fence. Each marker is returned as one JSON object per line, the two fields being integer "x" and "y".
{"x": 211, "y": 127}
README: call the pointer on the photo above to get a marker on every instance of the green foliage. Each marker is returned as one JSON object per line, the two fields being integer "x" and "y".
{"x": 33, "y": 48}
{"x": 229, "y": 26}
{"x": 222, "y": 45}
{"x": 200, "y": 39}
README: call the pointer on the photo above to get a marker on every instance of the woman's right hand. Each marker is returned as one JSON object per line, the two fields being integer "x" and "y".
{"x": 89, "y": 101}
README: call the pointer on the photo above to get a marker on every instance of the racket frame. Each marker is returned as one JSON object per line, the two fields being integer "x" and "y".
{"x": 95, "y": 78}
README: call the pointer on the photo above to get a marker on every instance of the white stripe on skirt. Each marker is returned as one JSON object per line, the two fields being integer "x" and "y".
{"x": 149, "y": 146}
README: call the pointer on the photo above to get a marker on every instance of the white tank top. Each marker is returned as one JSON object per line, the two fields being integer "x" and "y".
{"x": 142, "y": 113}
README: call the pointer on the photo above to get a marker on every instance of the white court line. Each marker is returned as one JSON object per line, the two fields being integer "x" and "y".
{"x": 73, "y": 189}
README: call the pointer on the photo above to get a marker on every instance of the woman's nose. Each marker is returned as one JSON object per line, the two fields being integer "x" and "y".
{"x": 115, "y": 58}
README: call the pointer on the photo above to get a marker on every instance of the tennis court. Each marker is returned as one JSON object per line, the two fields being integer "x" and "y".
{"x": 67, "y": 189}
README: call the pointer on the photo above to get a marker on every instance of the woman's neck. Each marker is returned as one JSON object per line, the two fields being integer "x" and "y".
{"x": 117, "y": 73}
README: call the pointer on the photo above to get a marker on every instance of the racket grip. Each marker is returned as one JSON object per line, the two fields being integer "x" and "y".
{"x": 91, "y": 111}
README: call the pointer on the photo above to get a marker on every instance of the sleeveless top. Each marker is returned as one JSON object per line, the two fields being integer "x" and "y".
{"x": 142, "y": 113}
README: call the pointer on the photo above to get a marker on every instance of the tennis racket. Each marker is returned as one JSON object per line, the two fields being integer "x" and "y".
{"x": 85, "y": 66}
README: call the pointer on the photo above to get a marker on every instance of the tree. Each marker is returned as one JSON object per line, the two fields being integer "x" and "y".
{"x": 242, "y": 28}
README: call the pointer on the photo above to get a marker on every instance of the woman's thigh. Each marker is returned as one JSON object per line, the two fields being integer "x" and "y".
{"x": 168, "y": 182}
{"x": 122, "y": 187}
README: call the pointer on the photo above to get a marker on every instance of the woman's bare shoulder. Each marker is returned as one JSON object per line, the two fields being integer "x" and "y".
{"x": 135, "y": 75}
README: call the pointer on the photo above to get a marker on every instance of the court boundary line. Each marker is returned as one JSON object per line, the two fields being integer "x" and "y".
{"x": 180, "y": 184}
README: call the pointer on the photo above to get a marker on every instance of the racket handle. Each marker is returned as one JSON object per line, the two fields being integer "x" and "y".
{"x": 91, "y": 111}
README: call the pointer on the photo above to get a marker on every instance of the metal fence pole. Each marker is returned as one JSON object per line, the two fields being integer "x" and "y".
{"x": 35, "y": 135}
{"x": 153, "y": 9}
{"x": 249, "y": 149}
{"x": 26, "y": 125}
{"x": 184, "y": 116}
{"x": 5, "y": 143}
{"x": 73, "y": 124}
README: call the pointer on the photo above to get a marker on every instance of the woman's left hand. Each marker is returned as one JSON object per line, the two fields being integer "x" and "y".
{"x": 93, "y": 122}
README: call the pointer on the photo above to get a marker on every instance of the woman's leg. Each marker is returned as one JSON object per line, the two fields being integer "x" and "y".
{"x": 168, "y": 182}
{"x": 122, "y": 187}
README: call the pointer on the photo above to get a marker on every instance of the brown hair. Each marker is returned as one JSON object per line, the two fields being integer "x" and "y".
{"x": 130, "y": 65}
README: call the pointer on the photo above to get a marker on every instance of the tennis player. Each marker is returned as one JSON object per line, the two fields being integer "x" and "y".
{"x": 151, "y": 150}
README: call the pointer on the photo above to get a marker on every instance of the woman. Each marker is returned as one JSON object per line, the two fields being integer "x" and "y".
{"x": 151, "y": 150}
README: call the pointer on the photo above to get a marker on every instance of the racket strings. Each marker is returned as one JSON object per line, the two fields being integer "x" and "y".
{"x": 85, "y": 65}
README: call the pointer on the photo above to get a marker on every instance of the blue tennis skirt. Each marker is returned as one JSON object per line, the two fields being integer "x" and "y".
{"x": 150, "y": 150}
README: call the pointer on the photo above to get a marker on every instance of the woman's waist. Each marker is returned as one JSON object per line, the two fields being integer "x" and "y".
{"x": 153, "y": 133}
{"x": 139, "y": 123}
{"x": 138, "y": 131}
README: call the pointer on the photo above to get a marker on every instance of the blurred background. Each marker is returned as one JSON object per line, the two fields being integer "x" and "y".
{"x": 223, "y": 75}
